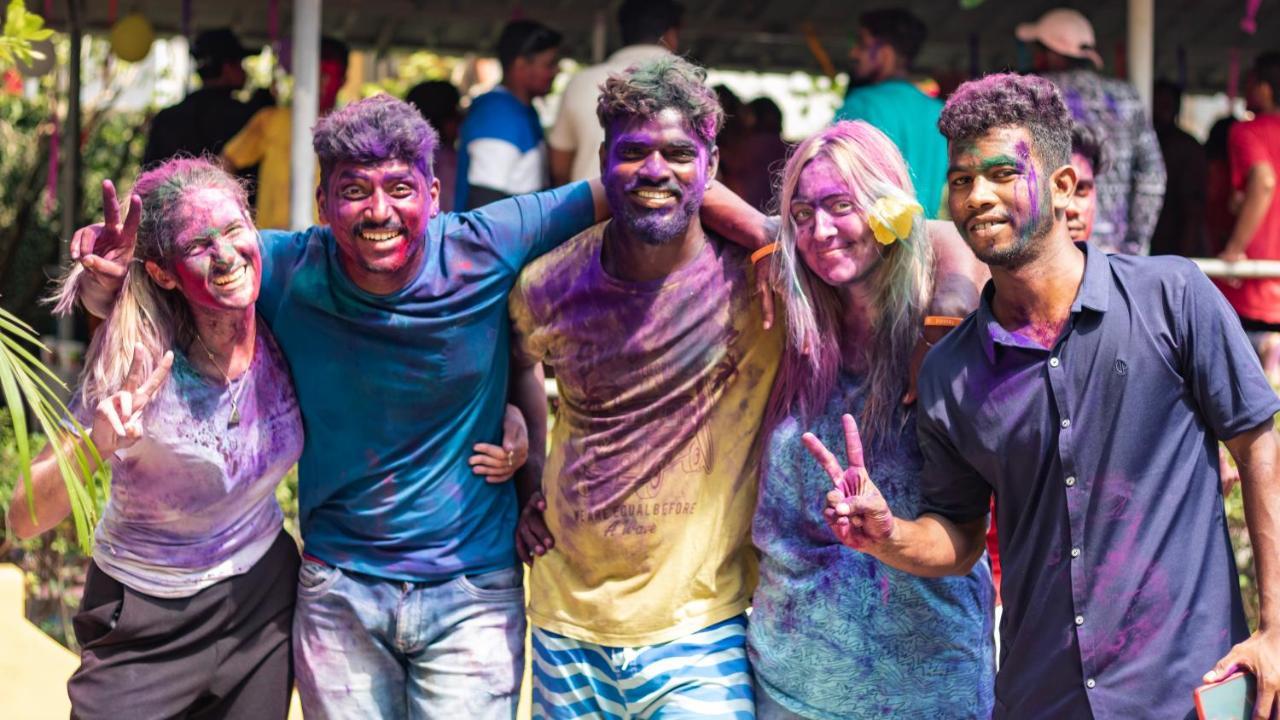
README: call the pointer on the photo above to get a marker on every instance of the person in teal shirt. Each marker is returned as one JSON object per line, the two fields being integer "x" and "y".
{"x": 880, "y": 94}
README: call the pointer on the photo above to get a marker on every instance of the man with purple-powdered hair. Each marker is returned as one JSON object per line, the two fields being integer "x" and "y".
{"x": 1119, "y": 584}
{"x": 393, "y": 320}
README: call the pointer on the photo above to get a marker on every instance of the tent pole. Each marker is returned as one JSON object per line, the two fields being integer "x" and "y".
{"x": 1141, "y": 52}
{"x": 306, "y": 103}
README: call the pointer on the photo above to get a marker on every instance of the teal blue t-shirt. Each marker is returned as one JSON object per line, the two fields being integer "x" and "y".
{"x": 395, "y": 389}
{"x": 910, "y": 119}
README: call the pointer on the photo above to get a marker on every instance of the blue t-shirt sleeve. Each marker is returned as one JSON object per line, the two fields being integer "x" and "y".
{"x": 949, "y": 485}
{"x": 524, "y": 227}
{"x": 1220, "y": 365}
{"x": 280, "y": 252}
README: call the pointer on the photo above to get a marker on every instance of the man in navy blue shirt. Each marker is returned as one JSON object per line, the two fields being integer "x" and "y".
{"x": 1087, "y": 393}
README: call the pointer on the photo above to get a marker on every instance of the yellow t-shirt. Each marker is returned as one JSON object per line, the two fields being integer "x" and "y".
{"x": 651, "y": 481}
{"x": 265, "y": 141}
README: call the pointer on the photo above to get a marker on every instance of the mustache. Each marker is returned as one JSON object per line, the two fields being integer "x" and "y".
{"x": 670, "y": 187}
{"x": 361, "y": 226}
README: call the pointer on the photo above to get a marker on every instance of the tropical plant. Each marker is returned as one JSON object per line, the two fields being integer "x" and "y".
{"x": 26, "y": 384}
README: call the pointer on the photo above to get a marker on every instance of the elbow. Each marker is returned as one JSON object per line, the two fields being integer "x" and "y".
{"x": 19, "y": 520}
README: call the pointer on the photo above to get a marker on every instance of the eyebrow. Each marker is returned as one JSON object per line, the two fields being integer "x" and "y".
{"x": 987, "y": 164}
{"x": 210, "y": 233}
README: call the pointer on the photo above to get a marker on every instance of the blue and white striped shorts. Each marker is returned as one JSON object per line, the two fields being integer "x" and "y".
{"x": 703, "y": 675}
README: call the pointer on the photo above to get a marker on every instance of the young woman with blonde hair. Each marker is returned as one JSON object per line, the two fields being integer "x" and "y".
{"x": 834, "y": 633}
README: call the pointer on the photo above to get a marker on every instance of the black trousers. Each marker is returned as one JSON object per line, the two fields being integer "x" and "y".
{"x": 222, "y": 653}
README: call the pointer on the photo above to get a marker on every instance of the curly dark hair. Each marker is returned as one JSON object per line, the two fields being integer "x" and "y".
{"x": 1091, "y": 143}
{"x": 648, "y": 88}
{"x": 374, "y": 130}
{"x": 1004, "y": 100}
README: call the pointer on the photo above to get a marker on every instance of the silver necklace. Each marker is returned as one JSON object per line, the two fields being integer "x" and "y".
{"x": 235, "y": 388}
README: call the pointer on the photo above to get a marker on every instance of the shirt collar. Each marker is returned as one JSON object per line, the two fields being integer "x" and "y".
{"x": 1095, "y": 289}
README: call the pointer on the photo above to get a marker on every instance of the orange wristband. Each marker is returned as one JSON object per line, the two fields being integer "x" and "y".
{"x": 764, "y": 252}
{"x": 942, "y": 321}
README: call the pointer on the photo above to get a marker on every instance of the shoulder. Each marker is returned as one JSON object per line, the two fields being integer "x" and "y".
{"x": 1162, "y": 279}
{"x": 550, "y": 278}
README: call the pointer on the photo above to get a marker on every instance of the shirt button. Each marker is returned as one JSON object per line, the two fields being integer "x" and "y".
{"x": 1075, "y": 552}
{"x": 1071, "y": 480}
{"x": 1090, "y": 683}
{"x": 1079, "y": 619}
{"x": 1053, "y": 362}
{"x": 1066, "y": 423}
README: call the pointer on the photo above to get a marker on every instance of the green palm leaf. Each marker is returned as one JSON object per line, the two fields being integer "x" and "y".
{"x": 25, "y": 383}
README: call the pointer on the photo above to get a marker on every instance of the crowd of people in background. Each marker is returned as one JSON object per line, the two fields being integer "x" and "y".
{"x": 925, "y": 462}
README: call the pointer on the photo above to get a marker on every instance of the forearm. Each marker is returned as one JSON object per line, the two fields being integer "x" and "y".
{"x": 1257, "y": 454}
{"x": 528, "y": 393}
{"x": 735, "y": 219}
{"x": 958, "y": 274}
{"x": 48, "y": 493}
{"x": 932, "y": 546}
{"x": 1257, "y": 201}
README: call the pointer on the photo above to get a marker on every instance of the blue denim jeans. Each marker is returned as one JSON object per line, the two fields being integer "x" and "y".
{"x": 366, "y": 647}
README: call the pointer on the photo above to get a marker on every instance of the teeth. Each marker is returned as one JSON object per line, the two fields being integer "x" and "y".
{"x": 985, "y": 225}
{"x": 230, "y": 277}
{"x": 379, "y": 235}
{"x": 654, "y": 194}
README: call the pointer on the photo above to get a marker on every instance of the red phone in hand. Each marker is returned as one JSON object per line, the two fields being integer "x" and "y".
{"x": 1230, "y": 699}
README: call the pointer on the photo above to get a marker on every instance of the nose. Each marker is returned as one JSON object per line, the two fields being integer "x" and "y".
{"x": 981, "y": 194}
{"x": 224, "y": 252}
{"x": 824, "y": 226}
{"x": 378, "y": 211}
{"x": 654, "y": 167}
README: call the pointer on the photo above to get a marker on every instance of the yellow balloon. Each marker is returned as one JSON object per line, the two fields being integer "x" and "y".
{"x": 131, "y": 37}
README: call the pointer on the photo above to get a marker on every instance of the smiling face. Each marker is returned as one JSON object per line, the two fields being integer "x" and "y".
{"x": 832, "y": 236}
{"x": 1002, "y": 203}
{"x": 379, "y": 214}
{"x": 1084, "y": 203}
{"x": 214, "y": 262}
{"x": 655, "y": 171}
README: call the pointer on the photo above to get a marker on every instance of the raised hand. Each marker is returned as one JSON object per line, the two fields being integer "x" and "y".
{"x": 497, "y": 464}
{"x": 117, "y": 421}
{"x": 105, "y": 249}
{"x": 856, "y": 511}
{"x": 533, "y": 539}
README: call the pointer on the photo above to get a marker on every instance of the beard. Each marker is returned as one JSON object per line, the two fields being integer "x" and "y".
{"x": 654, "y": 226}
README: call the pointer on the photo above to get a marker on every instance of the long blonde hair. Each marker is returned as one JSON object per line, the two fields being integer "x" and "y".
{"x": 901, "y": 286}
{"x": 145, "y": 312}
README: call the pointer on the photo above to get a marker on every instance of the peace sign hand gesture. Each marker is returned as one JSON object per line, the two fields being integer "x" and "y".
{"x": 105, "y": 249}
{"x": 117, "y": 421}
{"x": 856, "y": 511}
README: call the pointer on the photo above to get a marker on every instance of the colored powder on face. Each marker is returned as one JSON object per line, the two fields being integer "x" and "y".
{"x": 1033, "y": 209}
{"x": 999, "y": 161}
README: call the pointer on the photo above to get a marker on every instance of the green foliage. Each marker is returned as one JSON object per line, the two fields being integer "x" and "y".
{"x": 412, "y": 69}
{"x": 26, "y": 384}
{"x": 21, "y": 28}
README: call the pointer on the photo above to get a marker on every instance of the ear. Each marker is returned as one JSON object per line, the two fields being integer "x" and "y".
{"x": 1062, "y": 184}
{"x": 433, "y": 191}
{"x": 161, "y": 276}
{"x": 604, "y": 155}
{"x": 671, "y": 39}
{"x": 713, "y": 164}
{"x": 322, "y": 207}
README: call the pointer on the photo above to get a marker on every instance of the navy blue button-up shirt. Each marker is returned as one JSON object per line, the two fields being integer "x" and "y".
{"x": 1119, "y": 584}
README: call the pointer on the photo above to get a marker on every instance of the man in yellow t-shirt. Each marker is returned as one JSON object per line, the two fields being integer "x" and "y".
{"x": 267, "y": 138}
{"x": 664, "y": 370}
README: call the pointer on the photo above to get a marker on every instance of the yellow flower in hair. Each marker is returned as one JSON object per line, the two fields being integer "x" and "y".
{"x": 891, "y": 218}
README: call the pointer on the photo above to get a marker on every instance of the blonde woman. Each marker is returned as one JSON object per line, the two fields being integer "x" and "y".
{"x": 834, "y": 633}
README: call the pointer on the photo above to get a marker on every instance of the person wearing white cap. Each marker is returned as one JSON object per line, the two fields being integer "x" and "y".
{"x": 1131, "y": 190}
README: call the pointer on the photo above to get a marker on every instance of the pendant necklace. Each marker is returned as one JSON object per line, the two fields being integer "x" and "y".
{"x": 234, "y": 388}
